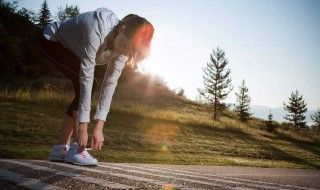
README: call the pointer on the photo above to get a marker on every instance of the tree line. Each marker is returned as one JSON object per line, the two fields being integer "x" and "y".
{"x": 20, "y": 30}
{"x": 218, "y": 85}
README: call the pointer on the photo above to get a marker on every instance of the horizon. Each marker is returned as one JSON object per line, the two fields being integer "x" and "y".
{"x": 278, "y": 113}
{"x": 265, "y": 43}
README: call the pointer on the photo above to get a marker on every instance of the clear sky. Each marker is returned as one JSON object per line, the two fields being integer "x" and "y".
{"x": 273, "y": 45}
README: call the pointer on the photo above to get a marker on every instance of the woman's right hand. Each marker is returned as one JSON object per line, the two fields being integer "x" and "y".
{"x": 82, "y": 136}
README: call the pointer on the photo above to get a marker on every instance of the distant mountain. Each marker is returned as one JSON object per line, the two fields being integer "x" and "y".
{"x": 278, "y": 113}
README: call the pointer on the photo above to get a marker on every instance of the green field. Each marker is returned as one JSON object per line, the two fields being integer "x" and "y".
{"x": 150, "y": 125}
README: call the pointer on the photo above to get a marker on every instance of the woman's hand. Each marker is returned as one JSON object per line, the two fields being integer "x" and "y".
{"x": 82, "y": 136}
{"x": 97, "y": 136}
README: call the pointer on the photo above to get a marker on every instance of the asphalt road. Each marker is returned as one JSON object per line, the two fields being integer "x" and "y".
{"x": 37, "y": 174}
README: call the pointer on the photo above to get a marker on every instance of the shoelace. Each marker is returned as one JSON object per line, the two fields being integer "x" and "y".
{"x": 81, "y": 153}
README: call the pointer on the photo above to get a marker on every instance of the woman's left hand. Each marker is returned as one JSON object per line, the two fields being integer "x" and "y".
{"x": 97, "y": 136}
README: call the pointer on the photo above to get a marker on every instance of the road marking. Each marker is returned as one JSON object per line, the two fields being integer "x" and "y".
{"x": 245, "y": 180}
{"x": 75, "y": 176}
{"x": 178, "y": 178}
{"x": 131, "y": 177}
{"x": 212, "y": 175}
{"x": 226, "y": 185}
{"x": 226, "y": 182}
{"x": 23, "y": 181}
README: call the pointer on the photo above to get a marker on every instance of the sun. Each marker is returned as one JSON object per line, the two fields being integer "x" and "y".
{"x": 160, "y": 56}
{"x": 173, "y": 58}
{"x": 152, "y": 64}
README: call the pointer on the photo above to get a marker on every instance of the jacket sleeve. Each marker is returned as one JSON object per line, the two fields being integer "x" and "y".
{"x": 108, "y": 87}
{"x": 86, "y": 75}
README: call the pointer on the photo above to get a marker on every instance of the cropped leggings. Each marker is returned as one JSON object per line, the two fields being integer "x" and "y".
{"x": 68, "y": 64}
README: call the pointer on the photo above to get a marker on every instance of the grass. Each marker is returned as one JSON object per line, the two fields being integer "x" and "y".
{"x": 148, "y": 125}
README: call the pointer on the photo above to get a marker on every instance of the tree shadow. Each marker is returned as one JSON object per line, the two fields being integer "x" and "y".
{"x": 131, "y": 125}
{"x": 278, "y": 154}
{"x": 309, "y": 146}
{"x": 275, "y": 153}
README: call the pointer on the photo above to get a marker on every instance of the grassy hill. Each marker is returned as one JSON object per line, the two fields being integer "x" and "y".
{"x": 148, "y": 124}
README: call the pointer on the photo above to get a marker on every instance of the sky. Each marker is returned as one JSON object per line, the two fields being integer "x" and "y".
{"x": 273, "y": 45}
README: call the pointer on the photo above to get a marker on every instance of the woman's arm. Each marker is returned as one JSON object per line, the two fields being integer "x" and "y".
{"x": 107, "y": 90}
{"x": 108, "y": 87}
{"x": 86, "y": 77}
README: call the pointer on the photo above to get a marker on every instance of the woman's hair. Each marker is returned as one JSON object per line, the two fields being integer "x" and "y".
{"x": 137, "y": 29}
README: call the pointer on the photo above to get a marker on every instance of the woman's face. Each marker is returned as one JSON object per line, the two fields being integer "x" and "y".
{"x": 123, "y": 45}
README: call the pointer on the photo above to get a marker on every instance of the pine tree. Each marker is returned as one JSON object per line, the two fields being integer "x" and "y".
{"x": 217, "y": 81}
{"x": 296, "y": 108}
{"x": 270, "y": 117}
{"x": 243, "y": 101}
{"x": 44, "y": 15}
{"x": 269, "y": 122}
{"x": 68, "y": 12}
{"x": 316, "y": 119}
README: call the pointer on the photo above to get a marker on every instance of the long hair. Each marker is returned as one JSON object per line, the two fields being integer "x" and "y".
{"x": 137, "y": 29}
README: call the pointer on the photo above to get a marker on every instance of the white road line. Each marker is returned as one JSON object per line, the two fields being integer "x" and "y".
{"x": 179, "y": 178}
{"x": 75, "y": 176}
{"x": 23, "y": 181}
{"x": 131, "y": 177}
{"x": 227, "y": 183}
{"x": 119, "y": 166}
{"x": 232, "y": 178}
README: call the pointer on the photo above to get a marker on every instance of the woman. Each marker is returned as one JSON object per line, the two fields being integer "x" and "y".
{"x": 75, "y": 46}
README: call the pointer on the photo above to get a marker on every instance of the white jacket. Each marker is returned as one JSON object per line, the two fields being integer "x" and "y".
{"x": 83, "y": 35}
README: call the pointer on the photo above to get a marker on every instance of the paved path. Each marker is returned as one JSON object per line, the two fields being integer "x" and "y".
{"x": 37, "y": 174}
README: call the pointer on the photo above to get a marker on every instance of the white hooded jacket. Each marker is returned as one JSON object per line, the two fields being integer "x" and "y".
{"x": 83, "y": 35}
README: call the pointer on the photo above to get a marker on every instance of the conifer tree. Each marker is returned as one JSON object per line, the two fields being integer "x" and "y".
{"x": 269, "y": 122}
{"x": 316, "y": 118}
{"x": 296, "y": 108}
{"x": 44, "y": 15}
{"x": 243, "y": 100}
{"x": 217, "y": 81}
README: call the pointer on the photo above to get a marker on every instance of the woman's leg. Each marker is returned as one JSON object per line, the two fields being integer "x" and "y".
{"x": 75, "y": 125}
{"x": 69, "y": 65}
{"x": 70, "y": 123}
{"x": 66, "y": 130}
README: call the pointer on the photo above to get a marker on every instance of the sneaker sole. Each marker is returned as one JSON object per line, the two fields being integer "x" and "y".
{"x": 77, "y": 163}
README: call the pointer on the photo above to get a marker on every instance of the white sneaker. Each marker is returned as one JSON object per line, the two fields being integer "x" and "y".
{"x": 75, "y": 156}
{"x": 58, "y": 153}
